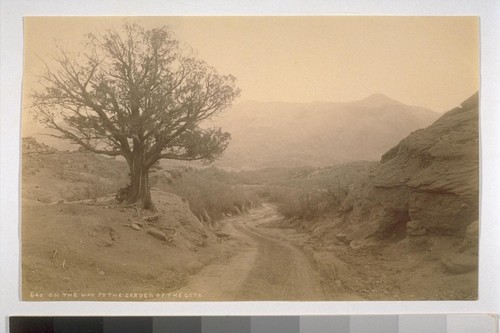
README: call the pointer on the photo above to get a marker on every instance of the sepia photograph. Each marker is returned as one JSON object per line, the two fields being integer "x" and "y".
{"x": 250, "y": 158}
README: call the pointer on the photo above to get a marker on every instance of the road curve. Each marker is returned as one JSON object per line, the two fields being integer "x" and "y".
{"x": 266, "y": 267}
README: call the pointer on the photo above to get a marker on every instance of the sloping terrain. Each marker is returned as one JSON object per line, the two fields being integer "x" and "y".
{"x": 76, "y": 239}
{"x": 408, "y": 228}
{"x": 49, "y": 175}
{"x": 404, "y": 228}
{"x": 91, "y": 248}
{"x": 278, "y": 134}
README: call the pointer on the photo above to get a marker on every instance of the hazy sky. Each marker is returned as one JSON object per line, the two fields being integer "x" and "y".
{"x": 426, "y": 61}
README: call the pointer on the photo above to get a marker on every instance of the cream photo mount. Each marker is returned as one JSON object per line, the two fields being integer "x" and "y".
{"x": 12, "y": 17}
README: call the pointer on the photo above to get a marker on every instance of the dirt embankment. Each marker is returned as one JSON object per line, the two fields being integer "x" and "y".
{"x": 100, "y": 251}
{"x": 79, "y": 244}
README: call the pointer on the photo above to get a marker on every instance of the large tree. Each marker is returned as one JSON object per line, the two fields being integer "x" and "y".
{"x": 135, "y": 93}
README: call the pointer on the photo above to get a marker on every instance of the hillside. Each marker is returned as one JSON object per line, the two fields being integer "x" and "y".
{"x": 49, "y": 175}
{"x": 278, "y": 134}
{"x": 316, "y": 134}
{"x": 412, "y": 220}
{"x": 429, "y": 182}
{"x": 77, "y": 240}
{"x": 403, "y": 228}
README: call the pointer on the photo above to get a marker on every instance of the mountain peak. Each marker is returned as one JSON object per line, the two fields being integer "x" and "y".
{"x": 376, "y": 100}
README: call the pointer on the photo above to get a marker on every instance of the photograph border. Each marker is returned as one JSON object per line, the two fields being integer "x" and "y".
{"x": 11, "y": 74}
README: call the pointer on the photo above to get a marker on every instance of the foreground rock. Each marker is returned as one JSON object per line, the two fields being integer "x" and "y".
{"x": 459, "y": 264}
{"x": 427, "y": 185}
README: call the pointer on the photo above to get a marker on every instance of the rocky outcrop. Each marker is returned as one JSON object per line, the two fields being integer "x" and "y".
{"x": 426, "y": 185}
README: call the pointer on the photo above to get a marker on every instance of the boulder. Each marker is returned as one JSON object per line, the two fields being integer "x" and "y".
{"x": 135, "y": 226}
{"x": 459, "y": 263}
{"x": 342, "y": 238}
{"x": 471, "y": 239}
{"x": 157, "y": 234}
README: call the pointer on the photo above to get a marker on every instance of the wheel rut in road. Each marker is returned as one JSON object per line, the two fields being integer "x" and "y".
{"x": 266, "y": 267}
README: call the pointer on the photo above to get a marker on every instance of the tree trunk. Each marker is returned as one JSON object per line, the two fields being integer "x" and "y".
{"x": 139, "y": 180}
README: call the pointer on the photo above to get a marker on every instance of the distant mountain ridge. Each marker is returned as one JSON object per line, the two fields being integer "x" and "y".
{"x": 375, "y": 101}
{"x": 275, "y": 134}
{"x": 317, "y": 134}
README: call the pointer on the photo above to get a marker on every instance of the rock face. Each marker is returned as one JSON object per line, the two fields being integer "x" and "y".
{"x": 426, "y": 185}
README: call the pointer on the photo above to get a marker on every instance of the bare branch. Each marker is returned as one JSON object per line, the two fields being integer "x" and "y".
{"x": 138, "y": 94}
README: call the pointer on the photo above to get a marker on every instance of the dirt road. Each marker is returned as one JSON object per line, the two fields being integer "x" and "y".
{"x": 267, "y": 267}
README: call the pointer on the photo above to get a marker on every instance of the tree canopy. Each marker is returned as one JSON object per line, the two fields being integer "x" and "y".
{"x": 139, "y": 94}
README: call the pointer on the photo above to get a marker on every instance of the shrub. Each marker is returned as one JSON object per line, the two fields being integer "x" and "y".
{"x": 208, "y": 193}
{"x": 123, "y": 194}
{"x": 309, "y": 203}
